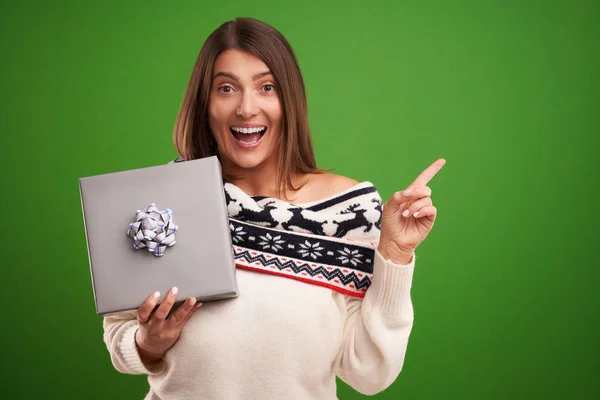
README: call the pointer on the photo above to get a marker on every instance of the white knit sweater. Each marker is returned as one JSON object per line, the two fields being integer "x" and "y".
{"x": 280, "y": 339}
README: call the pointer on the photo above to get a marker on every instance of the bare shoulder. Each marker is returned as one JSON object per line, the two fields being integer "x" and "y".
{"x": 339, "y": 183}
{"x": 321, "y": 186}
{"x": 326, "y": 185}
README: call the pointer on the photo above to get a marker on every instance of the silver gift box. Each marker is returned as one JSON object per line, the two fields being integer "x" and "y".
{"x": 200, "y": 263}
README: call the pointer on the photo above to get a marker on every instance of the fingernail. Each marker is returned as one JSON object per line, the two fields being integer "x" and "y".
{"x": 174, "y": 290}
{"x": 405, "y": 213}
{"x": 416, "y": 214}
{"x": 198, "y": 304}
{"x": 407, "y": 192}
{"x": 192, "y": 301}
{"x": 157, "y": 294}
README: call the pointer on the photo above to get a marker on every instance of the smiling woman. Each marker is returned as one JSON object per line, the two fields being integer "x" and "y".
{"x": 247, "y": 76}
{"x": 324, "y": 266}
{"x": 245, "y": 112}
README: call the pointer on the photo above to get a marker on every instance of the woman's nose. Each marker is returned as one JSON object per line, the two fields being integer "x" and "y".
{"x": 247, "y": 107}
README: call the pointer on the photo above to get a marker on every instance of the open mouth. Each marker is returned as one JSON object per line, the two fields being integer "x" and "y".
{"x": 248, "y": 136}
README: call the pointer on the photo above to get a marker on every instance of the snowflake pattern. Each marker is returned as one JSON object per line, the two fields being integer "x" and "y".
{"x": 310, "y": 249}
{"x": 237, "y": 234}
{"x": 350, "y": 256}
{"x": 271, "y": 242}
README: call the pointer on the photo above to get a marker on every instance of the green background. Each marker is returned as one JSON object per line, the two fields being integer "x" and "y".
{"x": 506, "y": 290}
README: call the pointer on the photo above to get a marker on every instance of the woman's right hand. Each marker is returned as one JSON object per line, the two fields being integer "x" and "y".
{"x": 157, "y": 333}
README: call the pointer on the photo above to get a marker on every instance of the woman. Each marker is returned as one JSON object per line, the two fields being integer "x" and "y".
{"x": 330, "y": 294}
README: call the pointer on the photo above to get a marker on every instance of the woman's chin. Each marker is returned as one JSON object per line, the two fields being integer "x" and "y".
{"x": 250, "y": 161}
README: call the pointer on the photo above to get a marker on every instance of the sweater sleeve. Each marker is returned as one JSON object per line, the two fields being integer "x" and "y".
{"x": 377, "y": 329}
{"x": 119, "y": 337}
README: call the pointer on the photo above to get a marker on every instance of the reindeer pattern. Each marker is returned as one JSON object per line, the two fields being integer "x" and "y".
{"x": 353, "y": 217}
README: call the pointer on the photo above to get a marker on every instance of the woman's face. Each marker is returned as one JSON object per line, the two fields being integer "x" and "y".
{"x": 244, "y": 110}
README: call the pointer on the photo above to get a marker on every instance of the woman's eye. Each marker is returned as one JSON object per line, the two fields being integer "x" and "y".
{"x": 269, "y": 87}
{"x": 226, "y": 89}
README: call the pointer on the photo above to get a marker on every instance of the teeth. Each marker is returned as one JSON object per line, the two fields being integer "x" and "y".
{"x": 249, "y": 130}
{"x": 252, "y": 142}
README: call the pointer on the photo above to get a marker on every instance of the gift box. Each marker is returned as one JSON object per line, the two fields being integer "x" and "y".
{"x": 153, "y": 228}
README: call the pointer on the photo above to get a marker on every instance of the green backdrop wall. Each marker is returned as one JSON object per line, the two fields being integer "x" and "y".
{"x": 506, "y": 288}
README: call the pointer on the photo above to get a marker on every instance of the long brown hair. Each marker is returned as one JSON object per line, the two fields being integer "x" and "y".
{"x": 192, "y": 135}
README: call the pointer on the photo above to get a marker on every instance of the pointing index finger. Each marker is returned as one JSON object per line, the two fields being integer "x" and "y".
{"x": 428, "y": 174}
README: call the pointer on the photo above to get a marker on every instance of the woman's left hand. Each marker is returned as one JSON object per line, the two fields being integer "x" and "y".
{"x": 408, "y": 217}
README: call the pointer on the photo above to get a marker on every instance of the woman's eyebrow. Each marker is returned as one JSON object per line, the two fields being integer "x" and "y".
{"x": 260, "y": 75}
{"x": 235, "y": 78}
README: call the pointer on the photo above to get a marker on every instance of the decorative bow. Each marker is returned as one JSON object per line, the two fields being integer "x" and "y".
{"x": 153, "y": 229}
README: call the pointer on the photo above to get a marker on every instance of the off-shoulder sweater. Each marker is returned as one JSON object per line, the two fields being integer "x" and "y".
{"x": 284, "y": 338}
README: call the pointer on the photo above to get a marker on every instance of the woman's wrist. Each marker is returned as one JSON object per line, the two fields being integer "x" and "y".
{"x": 395, "y": 255}
{"x": 146, "y": 356}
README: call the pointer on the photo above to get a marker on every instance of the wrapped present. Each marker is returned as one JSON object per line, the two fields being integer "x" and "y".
{"x": 154, "y": 228}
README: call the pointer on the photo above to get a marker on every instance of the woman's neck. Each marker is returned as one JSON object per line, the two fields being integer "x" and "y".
{"x": 258, "y": 181}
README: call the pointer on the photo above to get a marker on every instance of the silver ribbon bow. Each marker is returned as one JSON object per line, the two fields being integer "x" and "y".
{"x": 153, "y": 229}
